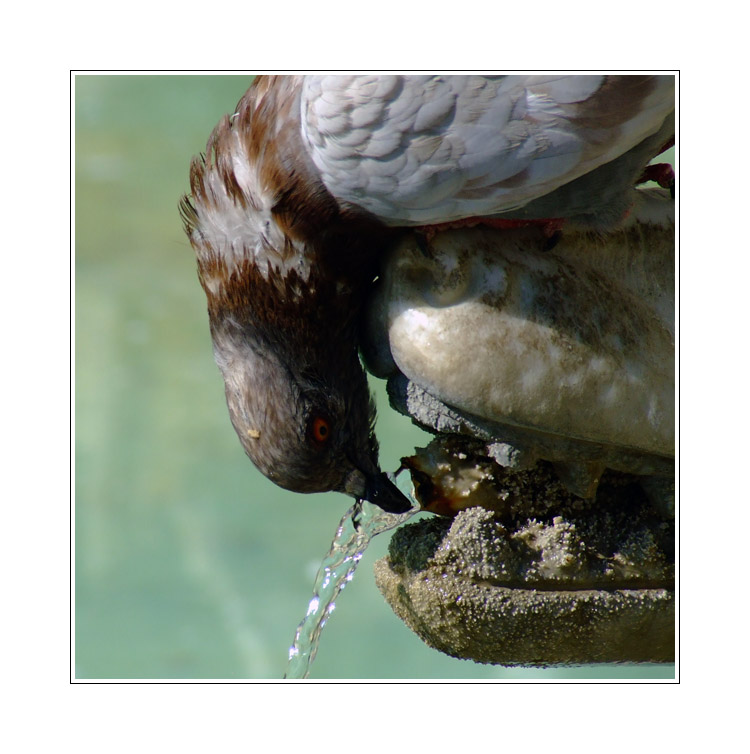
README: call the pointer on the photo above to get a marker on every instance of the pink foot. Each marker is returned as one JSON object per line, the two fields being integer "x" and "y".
{"x": 550, "y": 226}
{"x": 662, "y": 173}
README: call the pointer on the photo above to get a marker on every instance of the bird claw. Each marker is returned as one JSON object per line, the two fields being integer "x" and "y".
{"x": 662, "y": 173}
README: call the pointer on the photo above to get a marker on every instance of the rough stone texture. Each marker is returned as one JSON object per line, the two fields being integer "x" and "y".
{"x": 537, "y": 575}
{"x": 587, "y": 586}
{"x": 548, "y": 377}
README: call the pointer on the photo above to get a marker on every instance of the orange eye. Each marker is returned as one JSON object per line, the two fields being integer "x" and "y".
{"x": 321, "y": 430}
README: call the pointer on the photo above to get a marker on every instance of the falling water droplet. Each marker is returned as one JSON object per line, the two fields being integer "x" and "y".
{"x": 359, "y": 525}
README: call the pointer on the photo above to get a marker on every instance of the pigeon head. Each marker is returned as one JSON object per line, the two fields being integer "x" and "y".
{"x": 296, "y": 392}
{"x": 285, "y": 292}
{"x": 303, "y": 431}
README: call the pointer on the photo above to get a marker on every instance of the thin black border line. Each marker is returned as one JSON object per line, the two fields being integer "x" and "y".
{"x": 510, "y": 682}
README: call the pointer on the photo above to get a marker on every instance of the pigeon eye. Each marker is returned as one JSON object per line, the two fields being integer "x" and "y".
{"x": 320, "y": 430}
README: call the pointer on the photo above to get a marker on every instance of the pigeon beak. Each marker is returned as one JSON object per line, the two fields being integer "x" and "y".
{"x": 379, "y": 490}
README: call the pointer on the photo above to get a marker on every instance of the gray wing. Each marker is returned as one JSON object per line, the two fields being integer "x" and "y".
{"x": 417, "y": 150}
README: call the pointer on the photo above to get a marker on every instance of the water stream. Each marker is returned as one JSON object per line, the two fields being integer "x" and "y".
{"x": 359, "y": 525}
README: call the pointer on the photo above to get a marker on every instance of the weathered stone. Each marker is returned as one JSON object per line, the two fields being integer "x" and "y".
{"x": 582, "y": 586}
{"x": 548, "y": 376}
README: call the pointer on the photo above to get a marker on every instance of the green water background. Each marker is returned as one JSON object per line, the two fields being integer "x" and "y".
{"x": 188, "y": 563}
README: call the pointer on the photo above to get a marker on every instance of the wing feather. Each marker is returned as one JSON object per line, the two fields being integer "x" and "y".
{"x": 422, "y": 149}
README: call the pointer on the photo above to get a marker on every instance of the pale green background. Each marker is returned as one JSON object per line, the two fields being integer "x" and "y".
{"x": 189, "y": 564}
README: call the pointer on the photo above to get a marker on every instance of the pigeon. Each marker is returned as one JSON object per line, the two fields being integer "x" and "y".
{"x": 304, "y": 189}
